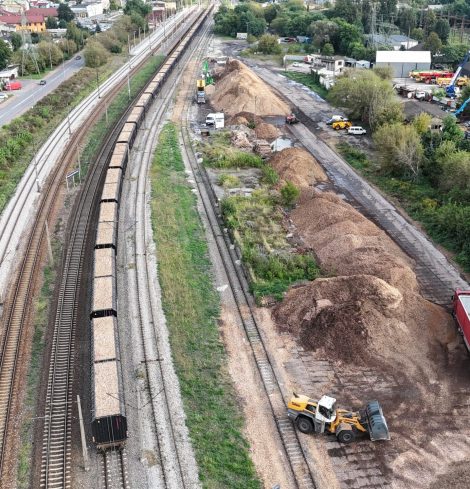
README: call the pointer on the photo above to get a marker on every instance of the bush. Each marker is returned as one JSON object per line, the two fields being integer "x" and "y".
{"x": 289, "y": 193}
{"x": 268, "y": 44}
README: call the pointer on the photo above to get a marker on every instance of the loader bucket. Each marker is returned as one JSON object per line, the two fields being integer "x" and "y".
{"x": 378, "y": 429}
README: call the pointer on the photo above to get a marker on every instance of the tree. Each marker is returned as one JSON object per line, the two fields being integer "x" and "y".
{"x": 407, "y": 20}
{"x": 417, "y": 33}
{"x": 455, "y": 169}
{"x": 429, "y": 21}
{"x": 366, "y": 97}
{"x": 346, "y": 37}
{"x": 16, "y": 41}
{"x": 5, "y": 54}
{"x": 268, "y": 44}
{"x": 454, "y": 53}
{"x": 95, "y": 54}
{"x": 322, "y": 31}
{"x": 51, "y": 23}
{"x": 400, "y": 150}
{"x": 451, "y": 131}
{"x": 64, "y": 12}
{"x": 270, "y": 13}
{"x": 347, "y": 10}
{"x": 328, "y": 49}
{"x": 48, "y": 52}
{"x": 137, "y": 6}
{"x": 442, "y": 29}
{"x": 422, "y": 122}
{"x": 74, "y": 34}
{"x": 433, "y": 43}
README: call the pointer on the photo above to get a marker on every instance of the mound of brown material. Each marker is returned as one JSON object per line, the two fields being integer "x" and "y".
{"x": 347, "y": 317}
{"x": 240, "y": 89}
{"x": 346, "y": 243}
{"x": 298, "y": 166}
{"x": 245, "y": 118}
{"x": 267, "y": 131}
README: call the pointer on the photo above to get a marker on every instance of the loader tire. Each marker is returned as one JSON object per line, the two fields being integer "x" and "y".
{"x": 346, "y": 436}
{"x": 304, "y": 424}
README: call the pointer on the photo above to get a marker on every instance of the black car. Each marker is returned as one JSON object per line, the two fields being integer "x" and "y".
{"x": 42, "y": 82}
{"x": 78, "y": 57}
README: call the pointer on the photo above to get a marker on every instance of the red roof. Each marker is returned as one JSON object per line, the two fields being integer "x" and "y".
{"x": 16, "y": 19}
{"x": 45, "y": 12}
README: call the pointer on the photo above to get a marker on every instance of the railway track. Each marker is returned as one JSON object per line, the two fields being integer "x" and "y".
{"x": 301, "y": 471}
{"x": 114, "y": 469}
{"x": 55, "y": 466}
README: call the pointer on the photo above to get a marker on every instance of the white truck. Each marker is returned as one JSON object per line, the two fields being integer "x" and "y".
{"x": 216, "y": 119}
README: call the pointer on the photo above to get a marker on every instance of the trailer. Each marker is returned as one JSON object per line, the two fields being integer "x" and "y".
{"x": 461, "y": 313}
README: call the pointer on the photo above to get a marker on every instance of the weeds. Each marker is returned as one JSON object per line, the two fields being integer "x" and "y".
{"x": 191, "y": 307}
{"x": 257, "y": 227}
{"x": 308, "y": 81}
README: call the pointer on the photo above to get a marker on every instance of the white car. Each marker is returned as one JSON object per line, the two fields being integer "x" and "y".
{"x": 356, "y": 130}
{"x": 336, "y": 118}
{"x": 3, "y": 96}
{"x": 296, "y": 65}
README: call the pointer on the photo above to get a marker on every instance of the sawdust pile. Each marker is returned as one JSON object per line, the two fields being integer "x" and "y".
{"x": 239, "y": 89}
{"x": 298, "y": 166}
{"x": 267, "y": 131}
{"x": 346, "y": 243}
{"x": 245, "y": 118}
{"x": 370, "y": 311}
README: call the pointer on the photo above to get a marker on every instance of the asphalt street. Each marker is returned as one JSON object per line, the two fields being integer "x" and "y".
{"x": 22, "y": 100}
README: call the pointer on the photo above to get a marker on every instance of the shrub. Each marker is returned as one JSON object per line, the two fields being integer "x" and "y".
{"x": 289, "y": 193}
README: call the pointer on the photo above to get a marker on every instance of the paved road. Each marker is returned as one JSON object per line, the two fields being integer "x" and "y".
{"x": 32, "y": 92}
{"x": 437, "y": 276}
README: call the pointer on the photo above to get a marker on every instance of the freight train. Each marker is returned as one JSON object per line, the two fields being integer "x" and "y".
{"x": 109, "y": 422}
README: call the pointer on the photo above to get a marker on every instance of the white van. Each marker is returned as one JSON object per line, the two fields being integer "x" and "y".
{"x": 215, "y": 119}
{"x": 356, "y": 130}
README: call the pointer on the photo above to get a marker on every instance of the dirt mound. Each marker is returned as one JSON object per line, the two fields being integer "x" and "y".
{"x": 266, "y": 131}
{"x": 239, "y": 88}
{"x": 245, "y": 118}
{"x": 298, "y": 166}
{"x": 346, "y": 243}
{"x": 347, "y": 317}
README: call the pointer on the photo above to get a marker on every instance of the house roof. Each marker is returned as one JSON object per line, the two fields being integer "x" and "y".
{"x": 403, "y": 57}
{"x": 16, "y": 19}
{"x": 45, "y": 12}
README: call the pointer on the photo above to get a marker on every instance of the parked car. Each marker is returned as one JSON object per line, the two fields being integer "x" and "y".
{"x": 3, "y": 96}
{"x": 296, "y": 65}
{"x": 78, "y": 57}
{"x": 356, "y": 130}
{"x": 336, "y": 118}
{"x": 42, "y": 82}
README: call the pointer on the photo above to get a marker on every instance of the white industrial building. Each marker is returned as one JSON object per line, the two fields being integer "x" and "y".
{"x": 403, "y": 62}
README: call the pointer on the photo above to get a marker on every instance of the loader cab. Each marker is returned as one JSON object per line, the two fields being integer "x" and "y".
{"x": 326, "y": 410}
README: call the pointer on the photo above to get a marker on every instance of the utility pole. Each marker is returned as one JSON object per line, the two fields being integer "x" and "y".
{"x": 82, "y": 436}
{"x": 129, "y": 65}
{"x": 49, "y": 245}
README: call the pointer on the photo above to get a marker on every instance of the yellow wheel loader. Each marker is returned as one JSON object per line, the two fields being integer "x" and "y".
{"x": 323, "y": 417}
{"x": 341, "y": 125}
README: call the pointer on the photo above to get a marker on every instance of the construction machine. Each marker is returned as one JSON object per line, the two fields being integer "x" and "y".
{"x": 341, "y": 125}
{"x": 323, "y": 417}
{"x": 291, "y": 119}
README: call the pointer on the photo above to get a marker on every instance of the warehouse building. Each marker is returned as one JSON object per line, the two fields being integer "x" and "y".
{"x": 403, "y": 62}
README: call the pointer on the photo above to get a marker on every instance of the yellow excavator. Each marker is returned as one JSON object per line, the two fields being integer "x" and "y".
{"x": 323, "y": 417}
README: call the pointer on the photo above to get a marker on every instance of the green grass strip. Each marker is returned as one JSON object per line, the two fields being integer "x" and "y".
{"x": 191, "y": 307}
{"x": 308, "y": 81}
